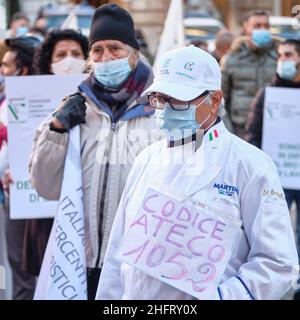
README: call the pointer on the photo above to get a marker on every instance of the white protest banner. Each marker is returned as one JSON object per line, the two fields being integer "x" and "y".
{"x": 185, "y": 247}
{"x": 172, "y": 36}
{"x": 63, "y": 272}
{"x": 30, "y": 100}
{"x": 71, "y": 22}
{"x": 281, "y": 138}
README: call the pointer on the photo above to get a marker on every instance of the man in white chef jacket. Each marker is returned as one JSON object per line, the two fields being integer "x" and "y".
{"x": 203, "y": 214}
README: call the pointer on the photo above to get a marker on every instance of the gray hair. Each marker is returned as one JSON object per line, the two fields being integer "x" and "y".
{"x": 222, "y": 111}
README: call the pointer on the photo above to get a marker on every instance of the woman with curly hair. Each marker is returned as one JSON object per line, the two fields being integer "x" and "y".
{"x": 62, "y": 52}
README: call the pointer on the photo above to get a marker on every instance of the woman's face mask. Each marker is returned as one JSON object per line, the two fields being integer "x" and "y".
{"x": 68, "y": 65}
{"x": 112, "y": 73}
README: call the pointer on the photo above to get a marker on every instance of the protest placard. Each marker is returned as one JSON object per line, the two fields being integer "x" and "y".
{"x": 30, "y": 100}
{"x": 185, "y": 247}
{"x": 281, "y": 139}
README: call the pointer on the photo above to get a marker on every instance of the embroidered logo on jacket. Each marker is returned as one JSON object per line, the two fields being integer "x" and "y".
{"x": 226, "y": 190}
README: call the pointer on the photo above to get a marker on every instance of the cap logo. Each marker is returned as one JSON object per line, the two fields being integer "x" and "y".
{"x": 164, "y": 69}
{"x": 189, "y": 66}
{"x": 166, "y": 63}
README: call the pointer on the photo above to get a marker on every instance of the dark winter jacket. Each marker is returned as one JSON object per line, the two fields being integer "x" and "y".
{"x": 254, "y": 124}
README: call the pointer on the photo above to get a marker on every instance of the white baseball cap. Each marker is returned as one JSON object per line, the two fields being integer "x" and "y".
{"x": 185, "y": 73}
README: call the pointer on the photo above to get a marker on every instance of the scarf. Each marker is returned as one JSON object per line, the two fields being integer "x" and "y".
{"x": 122, "y": 98}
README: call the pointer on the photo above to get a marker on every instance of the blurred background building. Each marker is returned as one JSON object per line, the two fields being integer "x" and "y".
{"x": 233, "y": 11}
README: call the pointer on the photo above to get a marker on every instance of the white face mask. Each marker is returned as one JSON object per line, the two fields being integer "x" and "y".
{"x": 68, "y": 65}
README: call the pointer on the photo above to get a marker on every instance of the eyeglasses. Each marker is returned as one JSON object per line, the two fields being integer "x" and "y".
{"x": 159, "y": 102}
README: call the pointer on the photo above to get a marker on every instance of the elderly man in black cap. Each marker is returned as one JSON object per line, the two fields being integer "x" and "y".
{"x": 109, "y": 110}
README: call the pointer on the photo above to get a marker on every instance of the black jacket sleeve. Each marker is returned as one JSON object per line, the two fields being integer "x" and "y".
{"x": 255, "y": 119}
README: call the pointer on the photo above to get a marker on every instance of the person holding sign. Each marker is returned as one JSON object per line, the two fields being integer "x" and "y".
{"x": 17, "y": 61}
{"x": 62, "y": 52}
{"x": 287, "y": 76}
{"x": 111, "y": 114}
{"x": 195, "y": 219}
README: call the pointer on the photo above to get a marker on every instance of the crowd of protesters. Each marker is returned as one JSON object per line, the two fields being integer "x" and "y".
{"x": 111, "y": 97}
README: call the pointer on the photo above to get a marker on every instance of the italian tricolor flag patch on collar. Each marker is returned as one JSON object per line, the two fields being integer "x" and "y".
{"x": 213, "y": 135}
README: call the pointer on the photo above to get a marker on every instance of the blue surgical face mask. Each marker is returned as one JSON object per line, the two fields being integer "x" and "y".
{"x": 287, "y": 70}
{"x": 22, "y": 31}
{"x": 180, "y": 124}
{"x": 261, "y": 38}
{"x": 112, "y": 73}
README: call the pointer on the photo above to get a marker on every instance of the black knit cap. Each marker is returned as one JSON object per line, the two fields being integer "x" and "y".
{"x": 111, "y": 22}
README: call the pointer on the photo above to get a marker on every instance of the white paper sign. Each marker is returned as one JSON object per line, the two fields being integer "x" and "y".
{"x": 281, "y": 137}
{"x": 187, "y": 248}
{"x": 30, "y": 100}
{"x": 63, "y": 272}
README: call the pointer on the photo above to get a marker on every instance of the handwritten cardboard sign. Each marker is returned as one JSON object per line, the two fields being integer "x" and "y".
{"x": 185, "y": 247}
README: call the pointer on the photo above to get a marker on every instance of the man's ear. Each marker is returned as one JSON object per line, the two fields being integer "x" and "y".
{"x": 216, "y": 99}
{"x": 245, "y": 28}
